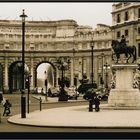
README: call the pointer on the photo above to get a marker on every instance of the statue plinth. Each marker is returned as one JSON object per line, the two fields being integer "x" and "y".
{"x": 124, "y": 94}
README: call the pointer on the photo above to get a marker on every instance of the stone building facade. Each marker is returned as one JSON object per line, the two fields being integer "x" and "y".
{"x": 46, "y": 41}
{"x": 126, "y": 21}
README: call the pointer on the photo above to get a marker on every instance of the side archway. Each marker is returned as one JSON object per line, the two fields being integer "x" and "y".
{"x": 15, "y": 76}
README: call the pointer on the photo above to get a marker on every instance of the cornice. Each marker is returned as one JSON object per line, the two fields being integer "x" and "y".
{"x": 125, "y": 8}
{"x": 125, "y": 24}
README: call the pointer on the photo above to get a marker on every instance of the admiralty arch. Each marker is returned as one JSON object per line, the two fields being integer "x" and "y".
{"x": 46, "y": 41}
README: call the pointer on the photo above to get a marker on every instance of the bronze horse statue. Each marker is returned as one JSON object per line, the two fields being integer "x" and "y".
{"x": 129, "y": 51}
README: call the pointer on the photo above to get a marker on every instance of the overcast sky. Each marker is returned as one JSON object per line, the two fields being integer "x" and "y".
{"x": 84, "y": 13}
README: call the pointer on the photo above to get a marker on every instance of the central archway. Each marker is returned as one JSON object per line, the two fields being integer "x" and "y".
{"x": 45, "y": 70}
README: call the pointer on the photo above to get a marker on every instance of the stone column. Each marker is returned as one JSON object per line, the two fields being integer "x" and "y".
{"x": 6, "y": 87}
{"x": 80, "y": 68}
{"x": 57, "y": 76}
{"x": 32, "y": 73}
{"x": 72, "y": 73}
{"x": 88, "y": 67}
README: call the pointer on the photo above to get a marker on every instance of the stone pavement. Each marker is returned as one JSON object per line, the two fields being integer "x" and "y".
{"x": 78, "y": 116}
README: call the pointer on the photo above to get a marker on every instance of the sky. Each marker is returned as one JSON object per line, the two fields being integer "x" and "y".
{"x": 90, "y": 13}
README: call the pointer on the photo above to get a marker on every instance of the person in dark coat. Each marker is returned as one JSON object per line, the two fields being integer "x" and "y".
{"x": 1, "y": 98}
{"x": 7, "y": 106}
{"x": 96, "y": 103}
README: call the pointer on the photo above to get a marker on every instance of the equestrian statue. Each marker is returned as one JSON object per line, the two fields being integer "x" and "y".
{"x": 122, "y": 48}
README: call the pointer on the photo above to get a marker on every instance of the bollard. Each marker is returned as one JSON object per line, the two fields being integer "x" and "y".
{"x": 90, "y": 105}
{"x": 40, "y": 101}
{"x": 23, "y": 107}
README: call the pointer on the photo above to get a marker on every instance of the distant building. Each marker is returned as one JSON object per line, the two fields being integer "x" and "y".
{"x": 126, "y": 21}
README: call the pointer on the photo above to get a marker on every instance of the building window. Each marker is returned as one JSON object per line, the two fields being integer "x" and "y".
{"x": 45, "y": 36}
{"x": 36, "y": 36}
{"x": 138, "y": 30}
{"x": 126, "y": 16}
{"x": 118, "y": 34}
{"x": 139, "y": 50}
{"x": 126, "y": 33}
{"x": 139, "y": 13}
{"x": 10, "y": 36}
{"x": 118, "y": 18}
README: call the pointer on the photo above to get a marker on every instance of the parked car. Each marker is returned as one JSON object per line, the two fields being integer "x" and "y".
{"x": 72, "y": 93}
{"x": 53, "y": 92}
{"x": 103, "y": 94}
{"x": 83, "y": 88}
{"x": 40, "y": 90}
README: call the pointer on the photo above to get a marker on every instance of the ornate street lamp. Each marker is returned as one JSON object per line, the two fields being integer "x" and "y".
{"x": 75, "y": 84}
{"x": 138, "y": 78}
{"x": 82, "y": 80}
{"x": 27, "y": 85}
{"x": 91, "y": 100}
{"x": 106, "y": 67}
{"x": 102, "y": 71}
{"x": 92, "y": 46}
{"x": 23, "y": 99}
{"x": 63, "y": 65}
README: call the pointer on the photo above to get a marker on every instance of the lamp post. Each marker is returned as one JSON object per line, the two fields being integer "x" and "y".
{"x": 63, "y": 65}
{"x": 102, "y": 71}
{"x": 46, "y": 86}
{"x": 23, "y": 99}
{"x": 75, "y": 84}
{"x": 91, "y": 100}
{"x": 92, "y": 46}
{"x": 27, "y": 85}
{"x": 138, "y": 78}
{"x": 106, "y": 67}
{"x": 82, "y": 80}
{"x": 76, "y": 76}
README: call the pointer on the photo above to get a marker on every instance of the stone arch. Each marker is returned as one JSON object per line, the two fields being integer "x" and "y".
{"x": 54, "y": 68}
{"x": 15, "y": 76}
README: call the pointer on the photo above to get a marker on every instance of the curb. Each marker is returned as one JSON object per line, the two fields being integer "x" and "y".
{"x": 77, "y": 124}
{"x": 77, "y": 127}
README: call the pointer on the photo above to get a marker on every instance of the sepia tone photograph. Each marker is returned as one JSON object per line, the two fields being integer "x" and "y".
{"x": 69, "y": 68}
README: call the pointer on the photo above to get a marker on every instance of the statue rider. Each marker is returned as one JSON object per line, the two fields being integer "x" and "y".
{"x": 123, "y": 41}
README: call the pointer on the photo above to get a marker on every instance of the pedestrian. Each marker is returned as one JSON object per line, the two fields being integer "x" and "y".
{"x": 1, "y": 98}
{"x": 7, "y": 106}
{"x": 96, "y": 103}
{"x": 42, "y": 91}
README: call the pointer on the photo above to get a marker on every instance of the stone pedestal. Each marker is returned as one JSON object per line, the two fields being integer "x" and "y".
{"x": 124, "y": 94}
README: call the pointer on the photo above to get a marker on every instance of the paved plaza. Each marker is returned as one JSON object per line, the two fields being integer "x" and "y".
{"x": 79, "y": 116}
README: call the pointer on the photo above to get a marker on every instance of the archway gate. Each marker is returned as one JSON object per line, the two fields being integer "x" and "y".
{"x": 32, "y": 60}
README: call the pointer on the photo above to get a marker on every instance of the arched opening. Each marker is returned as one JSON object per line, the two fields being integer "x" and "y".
{"x": 45, "y": 70}
{"x": 15, "y": 76}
